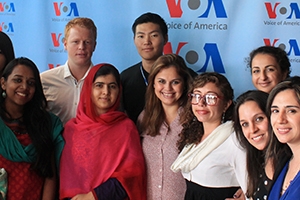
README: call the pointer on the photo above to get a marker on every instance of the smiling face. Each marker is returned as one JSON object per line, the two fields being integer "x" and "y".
{"x": 80, "y": 45}
{"x": 19, "y": 87}
{"x": 149, "y": 41}
{"x": 105, "y": 92}
{"x": 266, "y": 72}
{"x": 285, "y": 117}
{"x": 168, "y": 86}
{"x": 207, "y": 113}
{"x": 254, "y": 124}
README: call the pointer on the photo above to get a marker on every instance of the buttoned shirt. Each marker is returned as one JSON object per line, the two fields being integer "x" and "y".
{"x": 160, "y": 152}
{"x": 62, "y": 91}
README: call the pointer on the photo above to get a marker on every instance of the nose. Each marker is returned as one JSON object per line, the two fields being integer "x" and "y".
{"x": 169, "y": 86}
{"x": 82, "y": 45}
{"x": 281, "y": 118}
{"x": 147, "y": 39}
{"x": 252, "y": 128}
{"x": 24, "y": 85}
{"x": 105, "y": 89}
{"x": 263, "y": 75}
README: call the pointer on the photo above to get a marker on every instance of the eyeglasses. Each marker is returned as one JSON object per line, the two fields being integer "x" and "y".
{"x": 209, "y": 98}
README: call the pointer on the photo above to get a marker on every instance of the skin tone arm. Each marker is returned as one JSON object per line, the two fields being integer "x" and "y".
{"x": 49, "y": 190}
{"x": 88, "y": 196}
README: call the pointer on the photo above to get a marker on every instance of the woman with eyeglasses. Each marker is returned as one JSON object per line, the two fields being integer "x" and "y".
{"x": 211, "y": 159}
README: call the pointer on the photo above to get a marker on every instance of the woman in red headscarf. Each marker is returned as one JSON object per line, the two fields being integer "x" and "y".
{"x": 102, "y": 157}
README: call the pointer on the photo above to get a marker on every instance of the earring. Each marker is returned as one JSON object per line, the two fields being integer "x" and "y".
{"x": 223, "y": 118}
{"x": 4, "y": 94}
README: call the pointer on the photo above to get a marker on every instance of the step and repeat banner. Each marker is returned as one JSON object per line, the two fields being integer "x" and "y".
{"x": 211, "y": 35}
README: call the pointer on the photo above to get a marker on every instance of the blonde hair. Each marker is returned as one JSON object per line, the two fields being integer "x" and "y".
{"x": 83, "y": 22}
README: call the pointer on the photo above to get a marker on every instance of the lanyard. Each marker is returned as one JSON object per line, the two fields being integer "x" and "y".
{"x": 142, "y": 72}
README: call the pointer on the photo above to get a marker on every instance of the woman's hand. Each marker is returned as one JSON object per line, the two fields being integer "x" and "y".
{"x": 239, "y": 195}
{"x": 88, "y": 196}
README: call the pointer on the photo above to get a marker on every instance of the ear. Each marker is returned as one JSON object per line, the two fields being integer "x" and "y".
{"x": 166, "y": 37}
{"x": 227, "y": 105}
{"x": 3, "y": 84}
{"x": 65, "y": 43}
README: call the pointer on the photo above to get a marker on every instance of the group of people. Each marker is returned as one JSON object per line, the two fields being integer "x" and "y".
{"x": 158, "y": 130}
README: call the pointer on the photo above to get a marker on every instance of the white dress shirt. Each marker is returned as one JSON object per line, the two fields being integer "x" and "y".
{"x": 62, "y": 91}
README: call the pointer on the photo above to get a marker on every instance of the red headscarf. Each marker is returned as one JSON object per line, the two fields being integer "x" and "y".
{"x": 101, "y": 147}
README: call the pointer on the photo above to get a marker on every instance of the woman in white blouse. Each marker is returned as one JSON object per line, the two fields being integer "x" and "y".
{"x": 211, "y": 160}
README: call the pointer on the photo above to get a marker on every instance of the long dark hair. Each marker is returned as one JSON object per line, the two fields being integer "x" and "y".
{"x": 36, "y": 119}
{"x": 154, "y": 114}
{"x": 255, "y": 157}
{"x": 276, "y": 150}
{"x": 6, "y": 48}
{"x": 193, "y": 131}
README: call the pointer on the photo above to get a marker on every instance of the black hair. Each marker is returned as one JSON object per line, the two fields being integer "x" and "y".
{"x": 6, "y": 48}
{"x": 255, "y": 157}
{"x": 107, "y": 69}
{"x": 153, "y": 18}
{"x": 279, "y": 54}
{"x": 35, "y": 117}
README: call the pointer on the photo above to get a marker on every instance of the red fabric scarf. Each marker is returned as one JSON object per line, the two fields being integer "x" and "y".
{"x": 101, "y": 147}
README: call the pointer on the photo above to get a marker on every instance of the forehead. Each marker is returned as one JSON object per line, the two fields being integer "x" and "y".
{"x": 21, "y": 70}
{"x": 286, "y": 97}
{"x": 147, "y": 28}
{"x": 109, "y": 78}
{"x": 261, "y": 60}
{"x": 208, "y": 88}
{"x": 80, "y": 32}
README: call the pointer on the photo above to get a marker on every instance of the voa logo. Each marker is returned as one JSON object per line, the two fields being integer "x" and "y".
{"x": 292, "y": 48}
{"x": 211, "y": 54}
{"x": 69, "y": 10}
{"x": 175, "y": 8}
{"x": 7, "y": 7}
{"x": 57, "y": 39}
{"x": 291, "y": 10}
{"x": 6, "y": 27}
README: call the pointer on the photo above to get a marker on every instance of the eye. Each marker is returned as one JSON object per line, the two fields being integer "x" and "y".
{"x": 162, "y": 81}
{"x": 244, "y": 124}
{"x": 292, "y": 111}
{"x": 113, "y": 86}
{"x": 99, "y": 85}
{"x": 87, "y": 42}
{"x": 270, "y": 69}
{"x": 259, "y": 119}
{"x": 31, "y": 83}
{"x": 17, "y": 80}
{"x": 176, "y": 82}
{"x": 255, "y": 71}
{"x": 140, "y": 36}
{"x": 154, "y": 35}
{"x": 274, "y": 111}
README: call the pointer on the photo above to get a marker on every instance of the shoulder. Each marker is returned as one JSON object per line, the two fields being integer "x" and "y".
{"x": 55, "y": 70}
{"x": 55, "y": 120}
{"x": 131, "y": 69}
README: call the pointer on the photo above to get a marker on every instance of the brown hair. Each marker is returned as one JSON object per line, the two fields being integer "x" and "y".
{"x": 193, "y": 131}
{"x": 154, "y": 114}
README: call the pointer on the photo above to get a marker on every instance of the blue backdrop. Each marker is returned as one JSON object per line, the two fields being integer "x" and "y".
{"x": 212, "y": 35}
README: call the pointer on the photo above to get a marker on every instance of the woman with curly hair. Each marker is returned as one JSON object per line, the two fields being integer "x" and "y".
{"x": 211, "y": 160}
